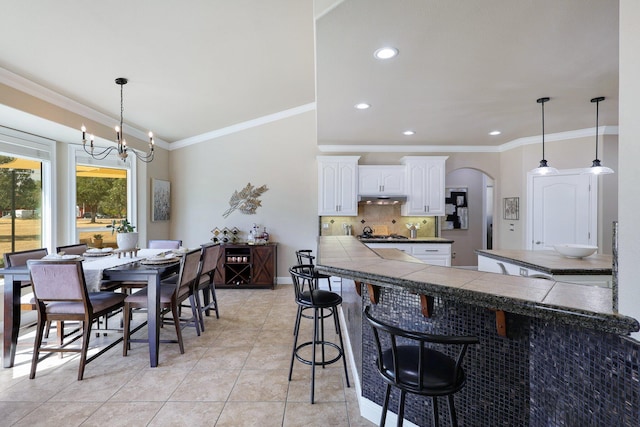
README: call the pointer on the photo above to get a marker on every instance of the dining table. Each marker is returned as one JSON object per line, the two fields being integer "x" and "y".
{"x": 132, "y": 268}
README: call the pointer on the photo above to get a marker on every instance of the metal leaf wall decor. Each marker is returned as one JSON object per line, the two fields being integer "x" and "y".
{"x": 246, "y": 200}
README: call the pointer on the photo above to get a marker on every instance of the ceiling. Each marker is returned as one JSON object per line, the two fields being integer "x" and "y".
{"x": 192, "y": 67}
{"x": 464, "y": 68}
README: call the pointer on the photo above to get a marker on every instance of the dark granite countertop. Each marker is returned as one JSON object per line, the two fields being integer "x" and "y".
{"x": 552, "y": 262}
{"x": 579, "y": 305}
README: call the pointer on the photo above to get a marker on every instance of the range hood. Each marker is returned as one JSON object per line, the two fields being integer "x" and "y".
{"x": 382, "y": 200}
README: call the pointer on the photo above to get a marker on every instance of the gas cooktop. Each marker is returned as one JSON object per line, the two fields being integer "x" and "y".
{"x": 381, "y": 237}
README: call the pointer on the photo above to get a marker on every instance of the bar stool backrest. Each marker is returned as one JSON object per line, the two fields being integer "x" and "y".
{"x": 304, "y": 281}
{"x": 304, "y": 257}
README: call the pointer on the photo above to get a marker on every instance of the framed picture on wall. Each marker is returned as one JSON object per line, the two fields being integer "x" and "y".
{"x": 456, "y": 209}
{"x": 511, "y": 208}
{"x": 160, "y": 200}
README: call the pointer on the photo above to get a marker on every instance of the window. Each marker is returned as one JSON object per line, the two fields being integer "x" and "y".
{"x": 25, "y": 191}
{"x": 102, "y": 190}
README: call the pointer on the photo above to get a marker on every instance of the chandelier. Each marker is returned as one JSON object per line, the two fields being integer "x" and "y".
{"x": 122, "y": 149}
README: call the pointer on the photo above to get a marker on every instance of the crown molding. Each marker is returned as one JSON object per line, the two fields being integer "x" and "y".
{"x": 243, "y": 126}
{"x": 519, "y": 142}
{"x": 34, "y": 89}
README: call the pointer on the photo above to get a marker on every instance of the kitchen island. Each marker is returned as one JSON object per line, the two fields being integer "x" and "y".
{"x": 592, "y": 270}
{"x": 564, "y": 358}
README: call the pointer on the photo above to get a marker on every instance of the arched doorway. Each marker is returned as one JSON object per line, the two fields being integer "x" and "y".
{"x": 476, "y": 231}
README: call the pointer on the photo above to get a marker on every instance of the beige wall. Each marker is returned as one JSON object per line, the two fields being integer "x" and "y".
{"x": 281, "y": 155}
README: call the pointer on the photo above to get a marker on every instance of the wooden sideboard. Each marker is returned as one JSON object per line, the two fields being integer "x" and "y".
{"x": 247, "y": 266}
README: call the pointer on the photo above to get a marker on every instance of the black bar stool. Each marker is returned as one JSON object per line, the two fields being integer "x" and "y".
{"x": 415, "y": 368}
{"x": 305, "y": 258}
{"x": 315, "y": 299}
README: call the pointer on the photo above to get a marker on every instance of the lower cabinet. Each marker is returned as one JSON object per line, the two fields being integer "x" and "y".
{"x": 429, "y": 253}
{"x": 248, "y": 266}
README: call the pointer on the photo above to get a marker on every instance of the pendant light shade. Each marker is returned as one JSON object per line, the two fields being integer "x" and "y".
{"x": 596, "y": 168}
{"x": 544, "y": 168}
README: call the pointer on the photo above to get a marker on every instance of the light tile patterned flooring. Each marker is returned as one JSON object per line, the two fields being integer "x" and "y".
{"x": 234, "y": 374}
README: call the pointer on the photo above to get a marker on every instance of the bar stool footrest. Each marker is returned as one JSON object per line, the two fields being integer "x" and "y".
{"x": 323, "y": 362}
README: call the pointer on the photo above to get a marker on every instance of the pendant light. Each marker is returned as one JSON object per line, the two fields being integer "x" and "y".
{"x": 544, "y": 168}
{"x": 596, "y": 168}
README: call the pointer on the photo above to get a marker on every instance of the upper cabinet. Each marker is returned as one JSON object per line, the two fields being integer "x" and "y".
{"x": 425, "y": 185}
{"x": 374, "y": 180}
{"x": 338, "y": 185}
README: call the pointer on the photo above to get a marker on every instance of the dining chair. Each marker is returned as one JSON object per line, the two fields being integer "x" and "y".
{"x": 164, "y": 244}
{"x": 18, "y": 259}
{"x": 404, "y": 360}
{"x": 75, "y": 249}
{"x": 211, "y": 254}
{"x": 172, "y": 294}
{"x": 61, "y": 294}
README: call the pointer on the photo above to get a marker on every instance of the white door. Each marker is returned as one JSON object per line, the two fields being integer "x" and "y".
{"x": 564, "y": 210}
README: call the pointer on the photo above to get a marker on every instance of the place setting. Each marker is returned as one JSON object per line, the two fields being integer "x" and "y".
{"x": 61, "y": 256}
{"x": 161, "y": 258}
{"x": 96, "y": 252}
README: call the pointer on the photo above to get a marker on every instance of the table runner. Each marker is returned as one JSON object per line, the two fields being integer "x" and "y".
{"x": 93, "y": 267}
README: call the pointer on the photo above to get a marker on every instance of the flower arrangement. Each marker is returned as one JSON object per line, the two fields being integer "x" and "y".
{"x": 122, "y": 226}
{"x": 98, "y": 236}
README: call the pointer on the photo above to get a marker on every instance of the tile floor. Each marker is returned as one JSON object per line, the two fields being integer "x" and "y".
{"x": 234, "y": 374}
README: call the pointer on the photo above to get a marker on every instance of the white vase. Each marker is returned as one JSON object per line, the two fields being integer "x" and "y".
{"x": 127, "y": 241}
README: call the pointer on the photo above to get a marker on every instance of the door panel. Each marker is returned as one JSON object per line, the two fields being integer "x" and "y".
{"x": 563, "y": 211}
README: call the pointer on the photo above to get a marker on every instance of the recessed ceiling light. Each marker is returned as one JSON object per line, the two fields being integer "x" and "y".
{"x": 362, "y": 106}
{"x": 409, "y": 132}
{"x": 386, "y": 53}
{"x": 495, "y": 132}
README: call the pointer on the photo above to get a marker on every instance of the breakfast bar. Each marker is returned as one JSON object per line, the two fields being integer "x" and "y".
{"x": 552, "y": 365}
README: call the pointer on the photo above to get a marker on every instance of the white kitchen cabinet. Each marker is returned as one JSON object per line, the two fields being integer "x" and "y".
{"x": 374, "y": 180}
{"x": 429, "y": 253}
{"x": 338, "y": 185}
{"x": 433, "y": 253}
{"x": 425, "y": 185}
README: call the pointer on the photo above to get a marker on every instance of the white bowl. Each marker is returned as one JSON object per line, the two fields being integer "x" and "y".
{"x": 575, "y": 251}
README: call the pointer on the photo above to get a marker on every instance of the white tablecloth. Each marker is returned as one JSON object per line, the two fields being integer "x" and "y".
{"x": 93, "y": 266}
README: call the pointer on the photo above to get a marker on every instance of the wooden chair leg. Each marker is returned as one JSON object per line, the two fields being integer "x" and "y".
{"x": 195, "y": 313}
{"x": 125, "y": 329}
{"x": 199, "y": 309}
{"x": 86, "y": 335}
{"x": 175, "y": 308}
{"x": 36, "y": 347}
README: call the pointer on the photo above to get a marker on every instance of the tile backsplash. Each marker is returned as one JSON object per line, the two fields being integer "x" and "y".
{"x": 370, "y": 215}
